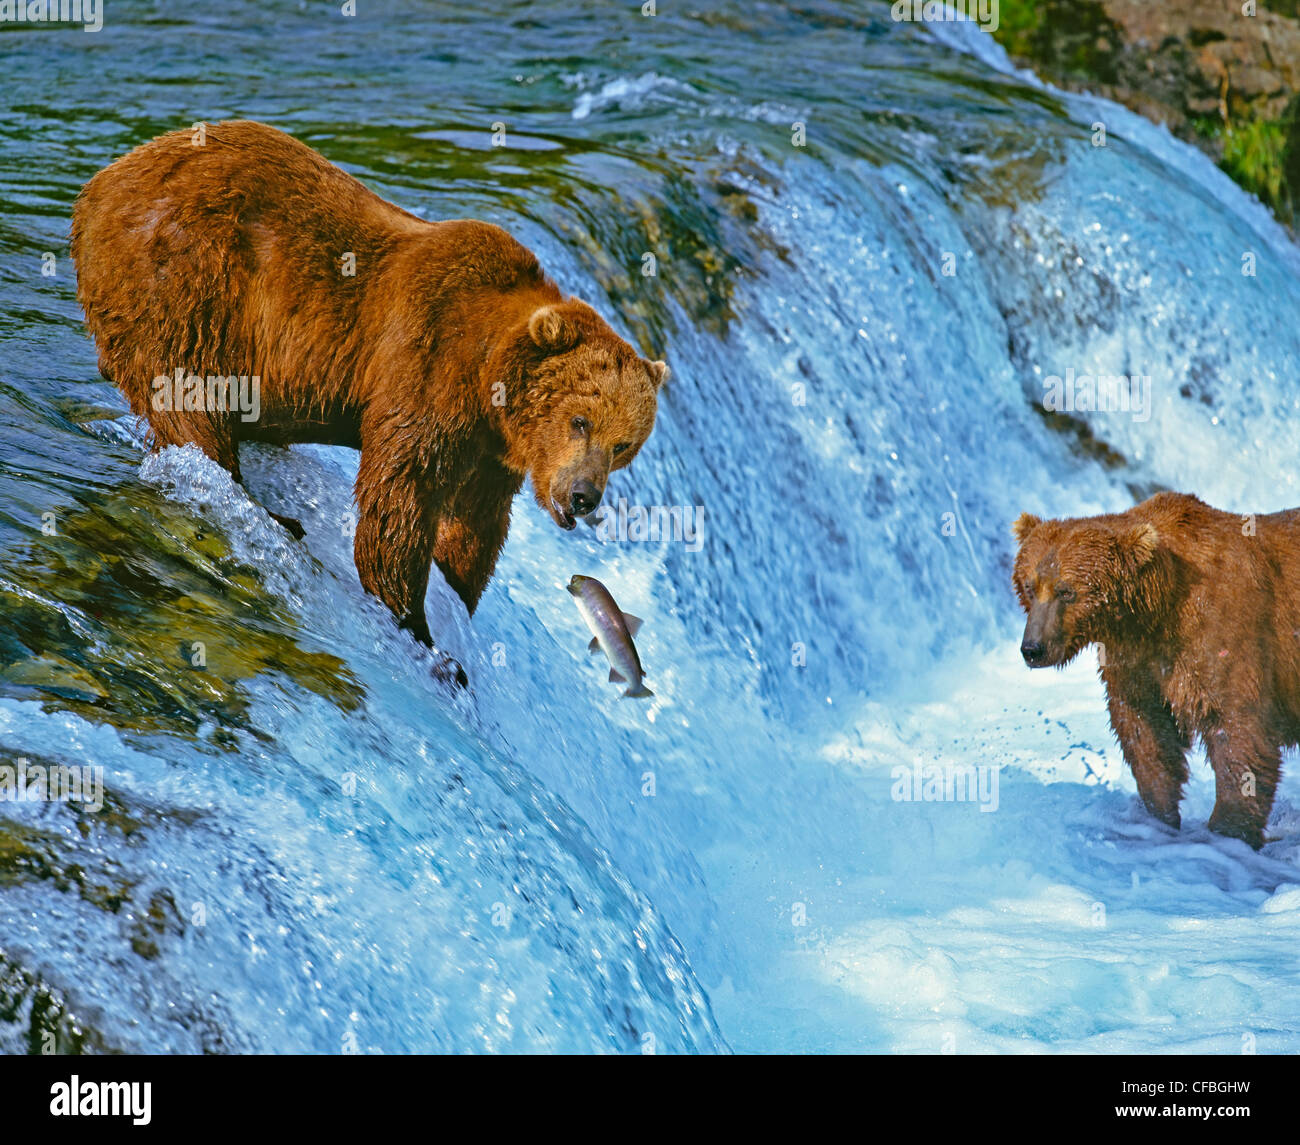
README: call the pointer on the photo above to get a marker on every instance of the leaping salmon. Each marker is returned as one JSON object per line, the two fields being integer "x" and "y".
{"x": 613, "y": 631}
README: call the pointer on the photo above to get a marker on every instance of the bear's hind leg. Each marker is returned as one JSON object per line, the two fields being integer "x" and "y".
{"x": 1246, "y": 769}
{"x": 215, "y": 436}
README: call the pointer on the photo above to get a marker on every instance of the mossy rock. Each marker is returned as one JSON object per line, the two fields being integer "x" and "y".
{"x": 137, "y": 614}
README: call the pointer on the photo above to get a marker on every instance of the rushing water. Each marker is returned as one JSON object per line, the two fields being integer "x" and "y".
{"x": 305, "y": 845}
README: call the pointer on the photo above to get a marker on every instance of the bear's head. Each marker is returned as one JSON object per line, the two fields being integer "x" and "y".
{"x": 1080, "y": 581}
{"x": 587, "y": 406}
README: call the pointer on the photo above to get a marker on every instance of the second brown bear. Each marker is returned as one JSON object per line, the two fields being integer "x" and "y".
{"x": 1198, "y": 615}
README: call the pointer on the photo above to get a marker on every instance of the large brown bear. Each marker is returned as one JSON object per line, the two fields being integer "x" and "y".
{"x": 439, "y": 349}
{"x": 1198, "y": 615}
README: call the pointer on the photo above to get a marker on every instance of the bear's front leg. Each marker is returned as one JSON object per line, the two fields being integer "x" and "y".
{"x": 398, "y": 506}
{"x": 1154, "y": 749}
{"x": 1246, "y": 769}
{"x": 472, "y": 531}
{"x": 393, "y": 549}
{"x": 393, "y": 556}
{"x": 393, "y": 546}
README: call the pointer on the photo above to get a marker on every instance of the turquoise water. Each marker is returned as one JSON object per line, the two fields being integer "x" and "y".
{"x": 307, "y": 846}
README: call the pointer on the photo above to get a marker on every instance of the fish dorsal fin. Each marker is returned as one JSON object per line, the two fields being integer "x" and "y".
{"x": 594, "y": 646}
{"x": 633, "y": 623}
{"x": 615, "y": 678}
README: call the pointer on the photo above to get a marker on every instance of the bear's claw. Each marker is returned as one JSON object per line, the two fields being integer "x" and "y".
{"x": 447, "y": 670}
{"x": 293, "y": 527}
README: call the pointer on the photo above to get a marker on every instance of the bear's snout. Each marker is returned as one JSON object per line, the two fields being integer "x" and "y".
{"x": 575, "y": 492}
{"x": 1033, "y": 651}
{"x": 1043, "y": 642}
{"x": 584, "y": 498}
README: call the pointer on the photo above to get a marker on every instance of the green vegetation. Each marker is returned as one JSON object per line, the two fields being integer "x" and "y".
{"x": 1073, "y": 40}
{"x": 1018, "y": 24}
{"x": 1254, "y": 154}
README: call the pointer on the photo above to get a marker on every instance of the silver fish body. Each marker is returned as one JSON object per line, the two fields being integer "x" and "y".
{"x": 612, "y": 630}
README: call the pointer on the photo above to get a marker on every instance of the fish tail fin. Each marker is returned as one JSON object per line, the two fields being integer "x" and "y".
{"x": 638, "y": 693}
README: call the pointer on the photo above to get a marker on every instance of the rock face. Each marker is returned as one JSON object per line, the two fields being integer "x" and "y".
{"x": 1222, "y": 74}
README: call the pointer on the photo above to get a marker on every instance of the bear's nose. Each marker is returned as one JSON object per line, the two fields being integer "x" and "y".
{"x": 584, "y": 498}
{"x": 1032, "y": 651}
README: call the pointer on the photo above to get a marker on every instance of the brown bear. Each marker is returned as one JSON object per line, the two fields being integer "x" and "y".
{"x": 235, "y": 254}
{"x": 1198, "y": 616}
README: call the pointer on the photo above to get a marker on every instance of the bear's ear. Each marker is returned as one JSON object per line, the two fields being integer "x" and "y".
{"x": 1024, "y": 525}
{"x": 659, "y": 372}
{"x": 551, "y": 330}
{"x": 1141, "y": 543}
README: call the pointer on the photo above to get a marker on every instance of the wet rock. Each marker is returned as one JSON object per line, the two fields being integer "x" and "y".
{"x": 34, "y": 1018}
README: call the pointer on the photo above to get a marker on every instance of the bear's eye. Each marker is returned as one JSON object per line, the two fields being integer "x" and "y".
{"x": 622, "y": 447}
{"x": 1066, "y": 593}
{"x": 581, "y": 425}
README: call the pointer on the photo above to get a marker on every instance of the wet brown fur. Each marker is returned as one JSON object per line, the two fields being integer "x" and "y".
{"x": 449, "y": 359}
{"x": 1199, "y": 624}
